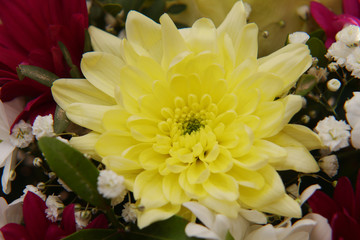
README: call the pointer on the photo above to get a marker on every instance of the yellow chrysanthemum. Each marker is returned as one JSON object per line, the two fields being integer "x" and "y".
{"x": 192, "y": 114}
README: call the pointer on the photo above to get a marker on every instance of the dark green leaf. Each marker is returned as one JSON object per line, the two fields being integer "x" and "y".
{"x": 60, "y": 120}
{"x": 170, "y": 229}
{"x": 74, "y": 169}
{"x": 74, "y": 71}
{"x": 319, "y": 33}
{"x": 305, "y": 84}
{"x": 113, "y": 9}
{"x": 155, "y": 10}
{"x": 36, "y": 73}
{"x": 87, "y": 43}
{"x": 176, "y": 8}
{"x": 94, "y": 234}
{"x": 318, "y": 50}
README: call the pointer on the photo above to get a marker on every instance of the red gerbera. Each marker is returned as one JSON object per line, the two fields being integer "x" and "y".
{"x": 29, "y": 34}
{"x": 332, "y": 23}
{"x": 342, "y": 211}
{"x": 38, "y": 227}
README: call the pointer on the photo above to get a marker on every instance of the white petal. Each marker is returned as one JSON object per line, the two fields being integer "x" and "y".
{"x": 322, "y": 230}
{"x": 201, "y": 212}
{"x": 308, "y": 192}
{"x": 199, "y": 231}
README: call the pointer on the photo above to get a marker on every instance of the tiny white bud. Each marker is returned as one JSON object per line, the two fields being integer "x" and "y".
{"x": 37, "y": 162}
{"x": 303, "y": 12}
{"x": 298, "y": 37}
{"x": 333, "y": 67}
{"x": 329, "y": 165}
{"x": 333, "y": 85}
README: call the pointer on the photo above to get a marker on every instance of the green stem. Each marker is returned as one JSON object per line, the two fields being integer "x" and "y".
{"x": 109, "y": 212}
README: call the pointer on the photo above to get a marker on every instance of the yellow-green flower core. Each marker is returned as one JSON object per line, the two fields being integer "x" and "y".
{"x": 192, "y": 114}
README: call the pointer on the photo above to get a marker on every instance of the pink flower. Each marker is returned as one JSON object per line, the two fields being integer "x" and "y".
{"x": 342, "y": 211}
{"x": 332, "y": 23}
{"x": 29, "y": 34}
{"x": 39, "y": 227}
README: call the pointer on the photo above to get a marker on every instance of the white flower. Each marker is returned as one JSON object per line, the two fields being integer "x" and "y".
{"x": 298, "y": 37}
{"x": 129, "y": 212}
{"x": 334, "y": 134}
{"x": 352, "y": 107}
{"x": 322, "y": 229}
{"x": 218, "y": 225}
{"x": 333, "y": 85}
{"x": 43, "y": 126}
{"x": 82, "y": 219}
{"x": 329, "y": 165}
{"x": 10, "y": 213}
{"x": 300, "y": 230}
{"x": 110, "y": 185}
{"x": 349, "y": 35}
{"x": 333, "y": 66}
{"x": 318, "y": 72}
{"x": 353, "y": 62}
{"x": 339, "y": 51}
{"x": 21, "y": 135}
{"x": 54, "y": 207}
{"x": 8, "y": 113}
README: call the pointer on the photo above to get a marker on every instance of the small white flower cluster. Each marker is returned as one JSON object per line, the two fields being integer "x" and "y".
{"x": 352, "y": 109}
{"x": 43, "y": 126}
{"x": 111, "y": 186}
{"x": 129, "y": 212}
{"x": 346, "y": 51}
{"x": 54, "y": 208}
{"x": 21, "y": 135}
{"x": 333, "y": 133}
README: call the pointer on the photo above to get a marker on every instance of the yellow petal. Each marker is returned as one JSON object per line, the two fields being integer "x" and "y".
{"x": 202, "y": 36}
{"x": 289, "y": 63}
{"x": 233, "y": 22}
{"x": 102, "y": 70}
{"x": 293, "y": 104}
{"x": 67, "y": 91}
{"x": 192, "y": 190}
{"x": 247, "y": 178}
{"x": 149, "y": 159}
{"x": 304, "y": 135}
{"x": 134, "y": 81}
{"x": 246, "y": 45}
{"x": 172, "y": 190}
{"x": 114, "y": 143}
{"x": 285, "y": 206}
{"x": 104, "y": 42}
{"x": 144, "y": 34}
{"x": 198, "y": 172}
{"x": 152, "y": 215}
{"x": 142, "y": 129}
{"x": 115, "y": 120}
{"x": 223, "y": 162}
{"x": 242, "y": 72}
{"x": 272, "y": 190}
{"x": 228, "y": 208}
{"x": 88, "y": 115}
{"x": 173, "y": 42}
{"x": 271, "y": 115}
{"x": 148, "y": 188}
{"x": 86, "y": 144}
{"x": 222, "y": 186}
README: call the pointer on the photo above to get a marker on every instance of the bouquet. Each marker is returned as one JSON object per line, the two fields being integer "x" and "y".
{"x": 185, "y": 119}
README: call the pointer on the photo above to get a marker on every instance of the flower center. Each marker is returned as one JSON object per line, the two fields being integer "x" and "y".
{"x": 191, "y": 125}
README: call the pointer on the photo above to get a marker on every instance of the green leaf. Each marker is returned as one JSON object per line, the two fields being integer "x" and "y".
{"x": 113, "y": 9}
{"x": 319, "y": 33}
{"x": 36, "y": 73}
{"x": 87, "y": 43}
{"x": 176, "y": 8}
{"x": 229, "y": 236}
{"x": 305, "y": 84}
{"x": 155, "y": 10}
{"x": 170, "y": 229}
{"x": 94, "y": 234}
{"x": 61, "y": 122}
{"x": 318, "y": 50}
{"x": 74, "y": 71}
{"x": 74, "y": 169}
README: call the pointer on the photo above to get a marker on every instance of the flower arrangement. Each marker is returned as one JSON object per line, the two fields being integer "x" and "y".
{"x": 180, "y": 119}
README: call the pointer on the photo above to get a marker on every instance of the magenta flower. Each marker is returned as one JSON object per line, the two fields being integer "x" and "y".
{"x": 342, "y": 211}
{"x": 38, "y": 227}
{"x": 29, "y": 34}
{"x": 332, "y": 23}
